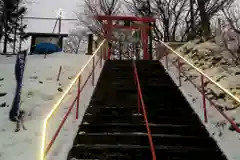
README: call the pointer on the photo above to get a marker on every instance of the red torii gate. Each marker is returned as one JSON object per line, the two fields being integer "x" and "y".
{"x": 143, "y": 28}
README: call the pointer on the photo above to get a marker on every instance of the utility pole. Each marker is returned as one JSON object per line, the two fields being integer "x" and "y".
{"x": 60, "y": 24}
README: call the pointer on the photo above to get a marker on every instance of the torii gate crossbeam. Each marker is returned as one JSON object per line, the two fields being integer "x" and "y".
{"x": 143, "y": 28}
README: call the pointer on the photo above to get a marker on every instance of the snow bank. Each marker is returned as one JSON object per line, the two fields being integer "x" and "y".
{"x": 212, "y": 60}
{"x": 209, "y": 58}
{"x": 40, "y": 90}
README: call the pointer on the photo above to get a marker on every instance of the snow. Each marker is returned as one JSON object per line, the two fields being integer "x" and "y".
{"x": 65, "y": 142}
{"x": 40, "y": 90}
{"x": 204, "y": 56}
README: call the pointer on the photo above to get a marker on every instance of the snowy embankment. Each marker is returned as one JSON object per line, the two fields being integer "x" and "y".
{"x": 40, "y": 91}
{"x": 209, "y": 58}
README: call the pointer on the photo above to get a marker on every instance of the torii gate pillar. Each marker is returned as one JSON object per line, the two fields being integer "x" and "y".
{"x": 143, "y": 29}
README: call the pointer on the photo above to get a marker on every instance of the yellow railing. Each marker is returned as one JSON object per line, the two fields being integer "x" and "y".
{"x": 96, "y": 58}
{"x": 201, "y": 72}
{"x": 202, "y": 90}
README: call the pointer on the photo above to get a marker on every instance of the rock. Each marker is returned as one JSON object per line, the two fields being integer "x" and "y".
{"x": 30, "y": 94}
{"x": 60, "y": 89}
{"x": 229, "y": 108}
{"x": 4, "y": 104}
{"x": 237, "y": 73}
{"x": 71, "y": 77}
{"x": 221, "y": 96}
{"x": 33, "y": 77}
{"x": 1, "y": 79}
{"x": 3, "y": 94}
{"x": 41, "y": 82}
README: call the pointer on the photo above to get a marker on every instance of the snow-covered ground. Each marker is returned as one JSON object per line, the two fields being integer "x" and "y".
{"x": 64, "y": 143}
{"x": 40, "y": 91}
{"x": 208, "y": 57}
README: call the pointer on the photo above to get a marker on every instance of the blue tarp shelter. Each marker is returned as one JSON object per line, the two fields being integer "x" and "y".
{"x": 46, "y": 48}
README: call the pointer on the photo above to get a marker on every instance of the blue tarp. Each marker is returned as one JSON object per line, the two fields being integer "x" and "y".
{"x": 46, "y": 48}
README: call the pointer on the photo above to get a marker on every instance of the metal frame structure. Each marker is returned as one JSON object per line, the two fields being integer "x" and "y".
{"x": 108, "y": 26}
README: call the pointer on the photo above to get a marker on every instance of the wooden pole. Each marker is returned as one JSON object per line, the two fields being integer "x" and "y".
{"x": 90, "y": 44}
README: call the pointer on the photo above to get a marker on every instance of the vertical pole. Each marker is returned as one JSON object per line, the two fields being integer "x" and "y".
{"x": 179, "y": 72}
{"x": 144, "y": 42}
{"x": 93, "y": 66}
{"x": 60, "y": 24}
{"x": 204, "y": 99}
{"x": 142, "y": 38}
{"x": 90, "y": 44}
{"x": 20, "y": 37}
{"x": 59, "y": 73}
{"x": 109, "y": 37}
{"x": 78, "y": 96}
{"x": 166, "y": 60}
{"x": 150, "y": 41}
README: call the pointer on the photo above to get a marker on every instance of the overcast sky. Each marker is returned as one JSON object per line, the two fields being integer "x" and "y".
{"x": 47, "y": 8}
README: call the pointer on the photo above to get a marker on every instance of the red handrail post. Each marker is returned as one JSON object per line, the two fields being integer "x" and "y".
{"x": 78, "y": 96}
{"x": 179, "y": 72}
{"x": 204, "y": 99}
{"x": 93, "y": 67}
{"x": 59, "y": 128}
{"x": 166, "y": 60}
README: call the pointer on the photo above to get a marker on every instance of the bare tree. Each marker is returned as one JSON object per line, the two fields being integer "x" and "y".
{"x": 174, "y": 16}
{"x": 75, "y": 40}
{"x": 94, "y": 8}
{"x": 231, "y": 33}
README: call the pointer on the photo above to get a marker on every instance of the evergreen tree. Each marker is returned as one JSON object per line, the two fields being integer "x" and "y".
{"x": 12, "y": 13}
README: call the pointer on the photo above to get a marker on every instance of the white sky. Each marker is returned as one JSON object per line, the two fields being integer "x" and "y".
{"x": 47, "y": 8}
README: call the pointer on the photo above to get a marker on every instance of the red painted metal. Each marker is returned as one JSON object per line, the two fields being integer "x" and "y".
{"x": 144, "y": 111}
{"x": 129, "y": 27}
{"x": 144, "y": 34}
{"x": 76, "y": 99}
{"x": 231, "y": 121}
{"x": 109, "y": 53}
{"x": 60, "y": 126}
{"x": 131, "y": 18}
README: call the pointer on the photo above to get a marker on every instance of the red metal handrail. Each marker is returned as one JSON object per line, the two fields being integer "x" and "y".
{"x": 202, "y": 89}
{"x": 141, "y": 103}
{"x": 76, "y": 99}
